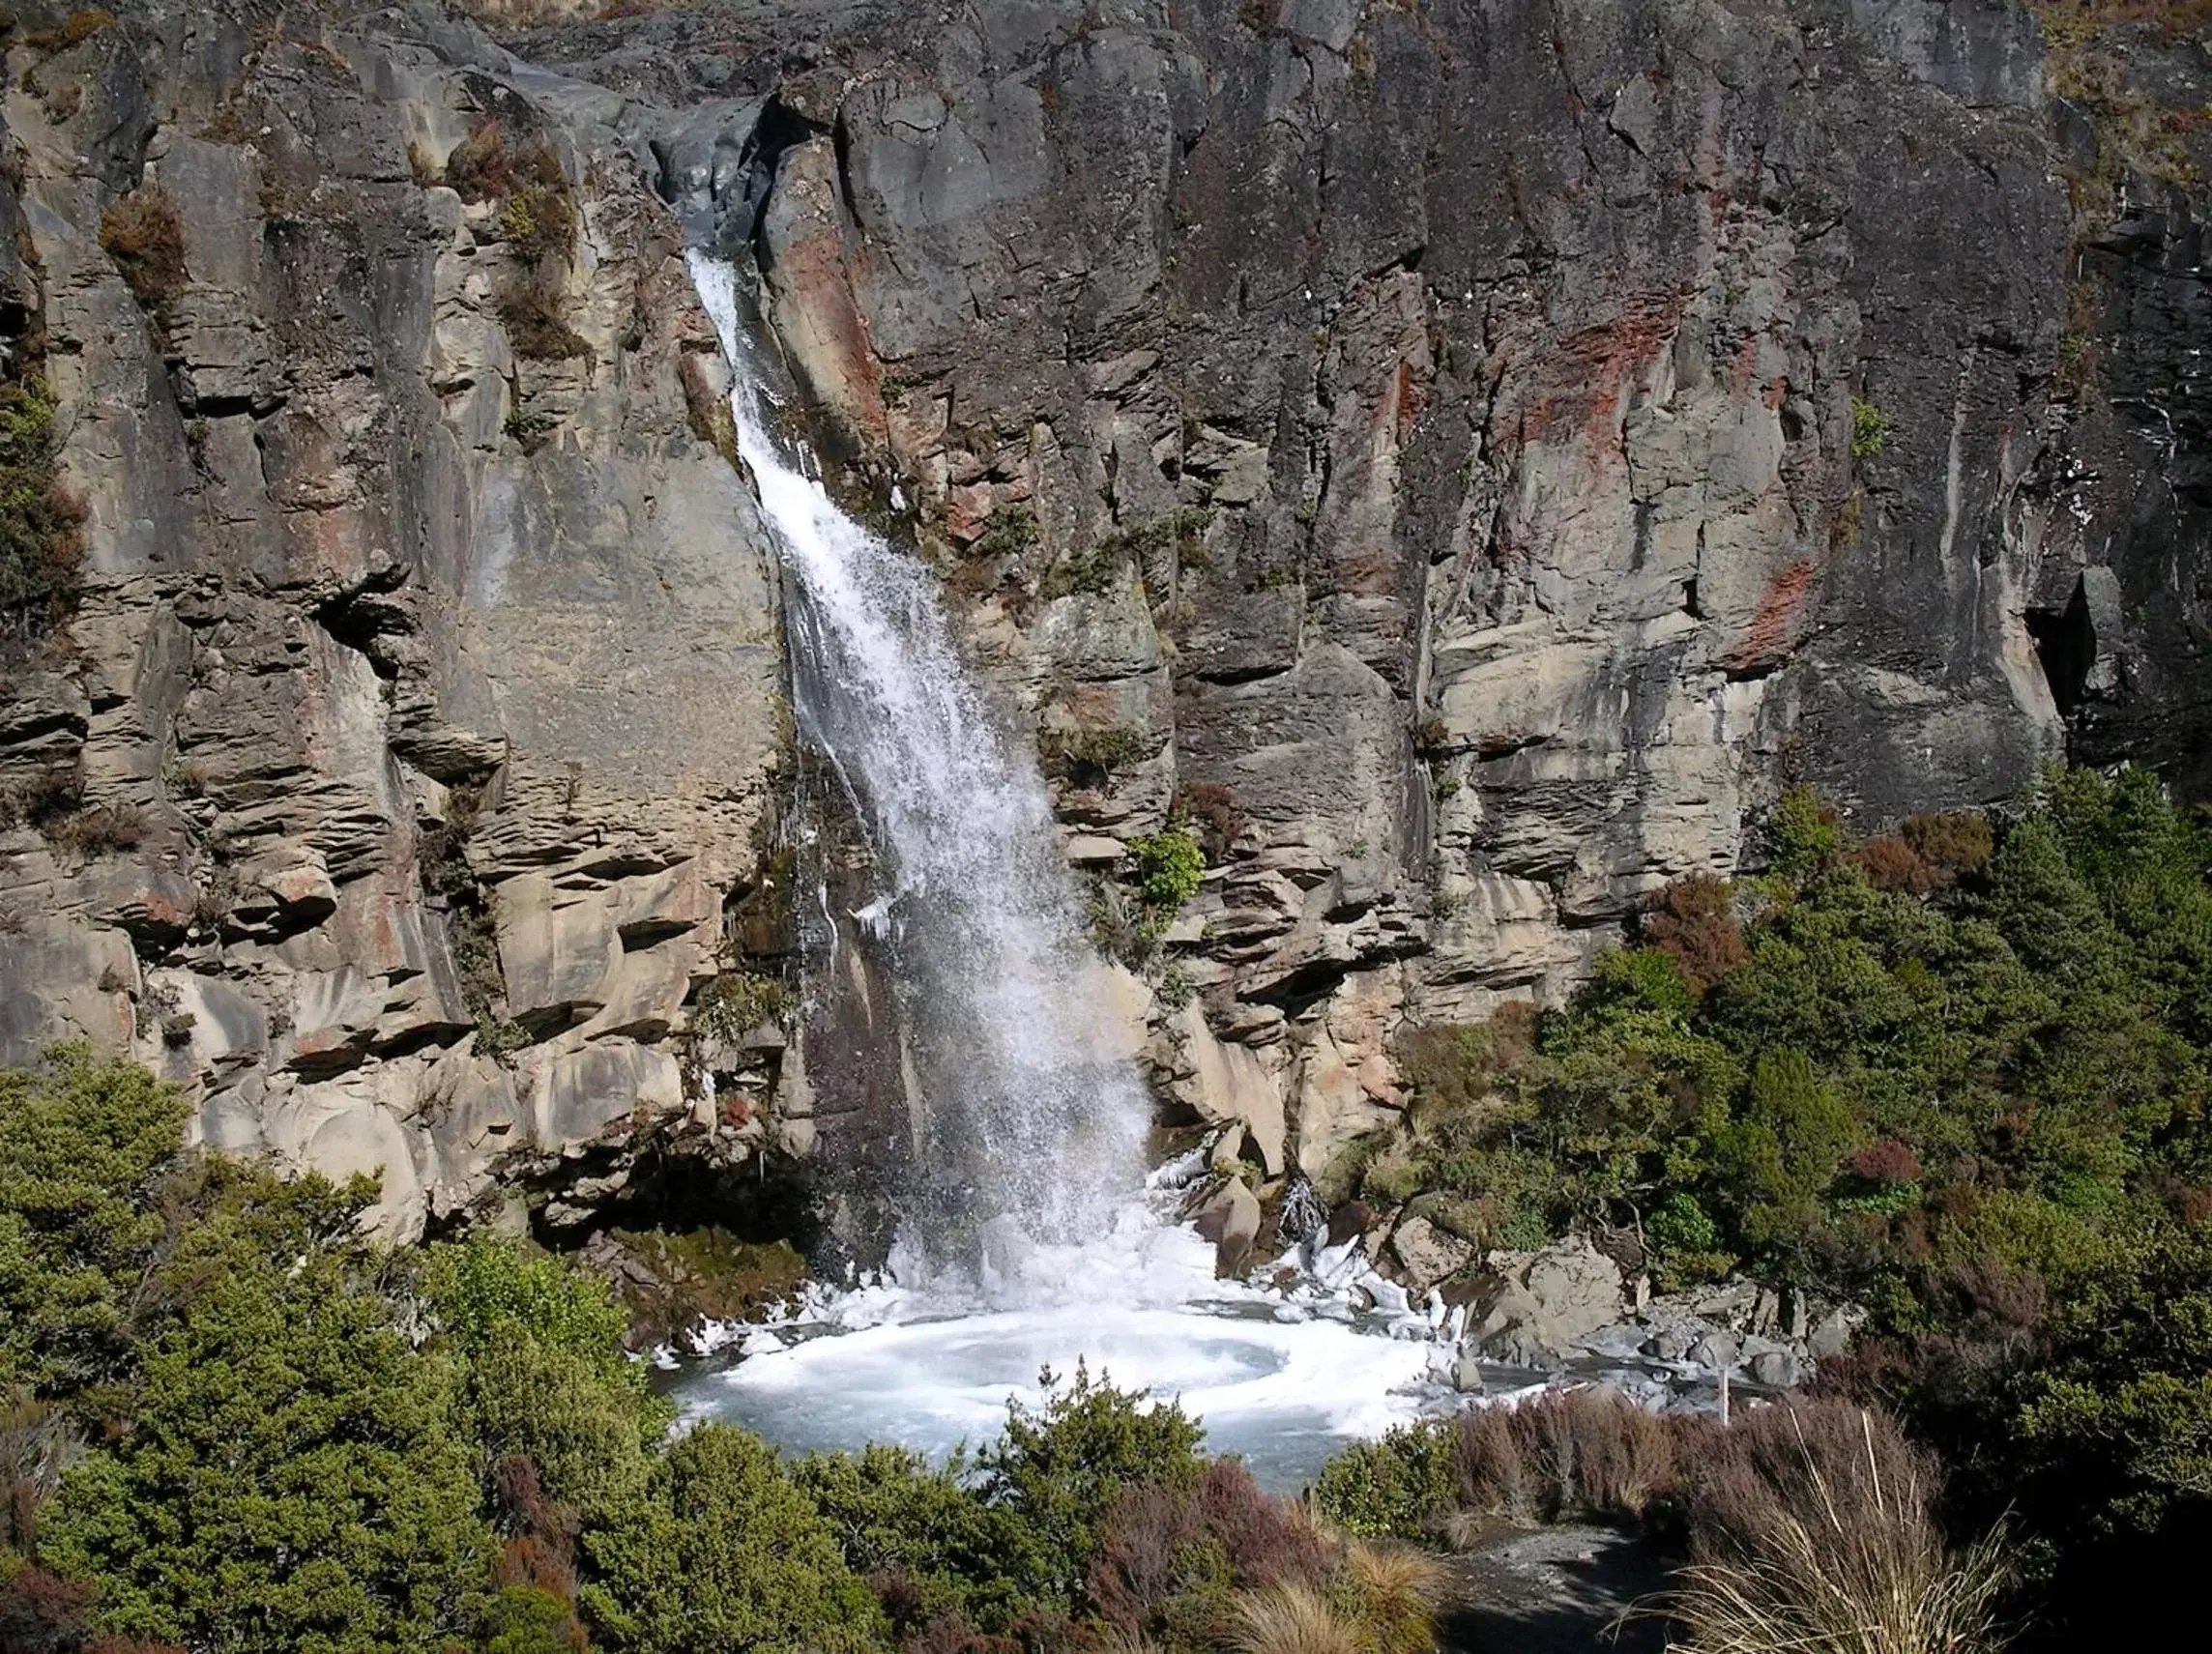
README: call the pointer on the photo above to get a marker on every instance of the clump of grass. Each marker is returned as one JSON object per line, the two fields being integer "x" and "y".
{"x": 738, "y": 1001}
{"x": 1815, "y": 1533}
{"x": 533, "y": 312}
{"x": 1392, "y": 1592}
{"x": 145, "y": 237}
{"x": 100, "y": 829}
{"x": 540, "y": 223}
{"x": 1088, "y": 755}
{"x": 80, "y": 26}
{"x": 1290, "y": 1619}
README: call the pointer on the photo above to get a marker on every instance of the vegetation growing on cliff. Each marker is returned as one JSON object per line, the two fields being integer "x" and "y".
{"x": 41, "y": 543}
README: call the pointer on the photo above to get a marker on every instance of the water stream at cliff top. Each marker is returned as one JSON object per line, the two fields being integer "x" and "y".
{"x": 1031, "y": 1235}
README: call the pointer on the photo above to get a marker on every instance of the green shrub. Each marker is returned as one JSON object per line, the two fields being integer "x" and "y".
{"x": 736, "y": 1003}
{"x": 42, "y": 548}
{"x": 1803, "y": 833}
{"x": 1170, "y": 868}
{"x": 1058, "y": 1466}
{"x": 1397, "y": 1486}
{"x": 537, "y": 1349}
{"x": 895, "y": 1515}
{"x": 290, "y": 1478}
{"x": 83, "y": 1145}
{"x": 1870, "y": 430}
{"x": 724, "y": 1552}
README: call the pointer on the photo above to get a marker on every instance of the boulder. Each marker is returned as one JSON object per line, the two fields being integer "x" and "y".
{"x": 1831, "y": 1335}
{"x": 1427, "y": 1254}
{"x": 1547, "y": 1301}
{"x": 1776, "y": 1369}
{"x": 1714, "y": 1352}
{"x": 1229, "y": 1216}
{"x": 1466, "y": 1374}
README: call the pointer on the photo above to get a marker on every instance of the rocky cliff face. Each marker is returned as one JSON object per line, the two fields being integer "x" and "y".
{"x": 419, "y": 718}
{"x": 1465, "y": 455}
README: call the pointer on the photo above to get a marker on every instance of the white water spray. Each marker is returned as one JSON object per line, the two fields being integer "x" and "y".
{"x": 1031, "y": 1116}
{"x": 1034, "y": 1117}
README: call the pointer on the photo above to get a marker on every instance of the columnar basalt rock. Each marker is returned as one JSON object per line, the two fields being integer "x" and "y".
{"x": 1533, "y": 431}
{"x": 1465, "y": 458}
{"x": 430, "y": 654}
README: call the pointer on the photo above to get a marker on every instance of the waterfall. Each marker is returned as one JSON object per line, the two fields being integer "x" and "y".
{"x": 1031, "y": 1118}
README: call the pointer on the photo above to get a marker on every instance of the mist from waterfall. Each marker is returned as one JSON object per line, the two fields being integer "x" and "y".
{"x": 1031, "y": 1118}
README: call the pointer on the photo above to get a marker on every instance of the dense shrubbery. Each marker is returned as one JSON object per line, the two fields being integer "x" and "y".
{"x": 1958, "y": 1075}
{"x": 226, "y": 1421}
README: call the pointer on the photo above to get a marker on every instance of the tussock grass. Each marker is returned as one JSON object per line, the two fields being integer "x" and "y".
{"x": 1290, "y": 1619}
{"x": 1812, "y": 1540}
{"x": 1395, "y": 1589}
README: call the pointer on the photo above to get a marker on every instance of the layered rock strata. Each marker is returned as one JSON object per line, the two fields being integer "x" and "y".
{"x": 1465, "y": 458}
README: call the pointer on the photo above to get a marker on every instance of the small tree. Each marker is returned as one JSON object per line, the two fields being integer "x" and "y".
{"x": 725, "y": 1552}
{"x": 292, "y": 1479}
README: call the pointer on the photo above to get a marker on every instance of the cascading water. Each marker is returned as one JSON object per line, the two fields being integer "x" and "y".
{"x": 1032, "y": 1120}
{"x": 1030, "y": 1235}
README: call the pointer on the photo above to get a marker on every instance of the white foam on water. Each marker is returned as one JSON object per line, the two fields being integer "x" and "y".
{"x": 1283, "y": 1377}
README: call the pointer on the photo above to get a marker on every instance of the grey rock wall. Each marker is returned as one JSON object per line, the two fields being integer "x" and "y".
{"x": 383, "y": 616}
{"x": 1418, "y": 438}
{"x": 1424, "y": 436}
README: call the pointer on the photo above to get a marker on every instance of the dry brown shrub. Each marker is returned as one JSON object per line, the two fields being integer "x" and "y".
{"x": 1136, "y": 1571}
{"x": 101, "y": 829}
{"x": 1268, "y": 1541}
{"x": 478, "y": 167}
{"x": 145, "y": 235}
{"x": 1954, "y": 841}
{"x": 530, "y": 311}
{"x": 41, "y": 1613}
{"x": 1892, "y": 864}
{"x": 1566, "y": 1454}
{"x": 1811, "y": 1530}
{"x": 1694, "y": 922}
{"x": 1147, "y": 1534}
{"x": 1211, "y": 809}
{"x": 80, "y": 26}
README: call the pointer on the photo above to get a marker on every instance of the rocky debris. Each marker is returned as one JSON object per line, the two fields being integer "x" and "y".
{"x": 1569, "y": 1303}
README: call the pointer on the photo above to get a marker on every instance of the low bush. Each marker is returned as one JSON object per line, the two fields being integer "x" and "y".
{"x": 42, "y": 546}
{"x": 738, "y": 1002}
{"x": 535, "y": 313}
{"x": 1571, "y": 1455}
{"x": 145, "y": 235}
{"x": 1170, "y": 867}
{"x": 98, "y": 829}
{"x": 1694, "y": 923}
{"x": 723, "y": 1551}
